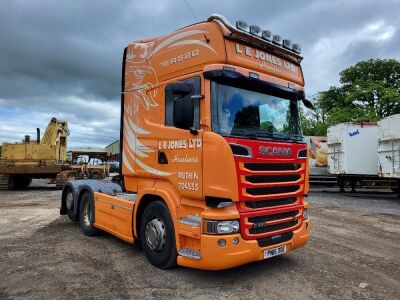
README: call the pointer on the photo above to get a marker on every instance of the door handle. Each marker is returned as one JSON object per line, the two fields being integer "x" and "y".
{"x": 162, "y": 158}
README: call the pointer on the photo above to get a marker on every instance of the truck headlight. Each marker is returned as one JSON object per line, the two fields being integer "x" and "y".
{"x": 221, "y": 227}
{"x": 305, "y": 214}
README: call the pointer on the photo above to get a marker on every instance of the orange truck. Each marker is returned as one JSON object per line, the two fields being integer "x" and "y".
{"x": 213, "y": 167}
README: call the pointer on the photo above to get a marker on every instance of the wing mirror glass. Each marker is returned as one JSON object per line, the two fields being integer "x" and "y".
{"x": 183, "y": 112}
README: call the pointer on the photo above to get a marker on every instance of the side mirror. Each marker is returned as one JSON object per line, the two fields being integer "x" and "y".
{"x": 307, "y": 103}
{"x": 183, "y": 112}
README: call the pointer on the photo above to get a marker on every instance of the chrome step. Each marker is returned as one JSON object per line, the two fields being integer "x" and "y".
{"x": 190, "y": 253}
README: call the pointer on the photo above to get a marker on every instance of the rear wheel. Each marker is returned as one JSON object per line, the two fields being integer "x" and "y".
{"x": 158, "y": 236}
{"x": 69, "y": 205}
{"x": 86, "y": 215}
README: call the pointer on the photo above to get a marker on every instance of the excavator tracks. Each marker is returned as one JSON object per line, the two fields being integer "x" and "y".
{"x": 63, "y": 177}
{"x": 5, "y": 182}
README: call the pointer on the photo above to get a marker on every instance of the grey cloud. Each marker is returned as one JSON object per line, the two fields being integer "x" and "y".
{"x": 63, "y": 58}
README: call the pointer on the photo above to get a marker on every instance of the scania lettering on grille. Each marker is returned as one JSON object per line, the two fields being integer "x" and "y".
{"x": 274, "y": 151}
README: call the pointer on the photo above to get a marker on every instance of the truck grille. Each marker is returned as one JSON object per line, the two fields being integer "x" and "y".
{"x": 270, "y": 228}
{"x": 271, "y": 166}
{"x": 263, "y": 219}
{"x": 270, "y": 203}
{"x": 270, "y": 191}
{"x": 272, "y": 178}
{"x": 270, "y": 198}
{"x": 276, "y": 239}
{"x": 278, "y": 221}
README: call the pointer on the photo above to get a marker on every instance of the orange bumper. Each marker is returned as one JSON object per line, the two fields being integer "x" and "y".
{"x": 214, "y": 257}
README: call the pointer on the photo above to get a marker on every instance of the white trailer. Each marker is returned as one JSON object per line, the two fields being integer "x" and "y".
{"x": 389, "y": 147}
{"x": 353, "y": 148}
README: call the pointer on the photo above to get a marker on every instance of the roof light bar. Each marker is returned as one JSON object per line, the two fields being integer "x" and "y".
{"x": 277, "y": 39}
{"x": 266, "y": 35}
{"x": 255, "y": 30}
{"x": 242, "y": 25}
{"x": 287, "y": 44}
{"x": 297, "y": 48}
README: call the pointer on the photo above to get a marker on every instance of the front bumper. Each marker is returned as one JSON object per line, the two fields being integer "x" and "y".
{"x": 214, "y": 257}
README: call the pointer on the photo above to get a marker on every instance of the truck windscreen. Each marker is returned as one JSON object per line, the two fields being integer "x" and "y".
{"x": 241, "y": 112}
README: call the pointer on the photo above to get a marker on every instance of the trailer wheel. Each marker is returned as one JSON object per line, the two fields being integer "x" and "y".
{"x": 158, "y": 235}
{"x": 86, "y": 215}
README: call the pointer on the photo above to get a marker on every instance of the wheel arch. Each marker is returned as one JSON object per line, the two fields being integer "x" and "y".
{"x": 169, "y": 199}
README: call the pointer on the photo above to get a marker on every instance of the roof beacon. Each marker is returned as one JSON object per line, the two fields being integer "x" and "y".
{"x": 267, "y": 35}
{"x": 242, "y": 25}
{"x": 255, "y": 30}
{"x": 277, "y": 39}
{"x": 288, "y": 44}
{"x": 297, "y": 48}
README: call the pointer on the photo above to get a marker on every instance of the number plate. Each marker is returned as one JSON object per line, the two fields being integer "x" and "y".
{"x": 274, "y": 251}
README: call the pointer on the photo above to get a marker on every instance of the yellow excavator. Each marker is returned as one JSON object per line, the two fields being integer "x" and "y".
{"x": 40, "y": 158}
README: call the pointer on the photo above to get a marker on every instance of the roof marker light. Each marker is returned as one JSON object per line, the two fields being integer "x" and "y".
{"x": 297, "y": 48}
{"x": 266, "y": 35}
{"x": 255, "y": 30}
{"x": 242, "y": 25}
{"x": 277, "y": 39}
{"x": 287, "y": 44}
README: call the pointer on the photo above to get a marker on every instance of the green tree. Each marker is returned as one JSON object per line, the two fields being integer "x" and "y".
{"x": 313, "y": 121}
{"x": 369, "y": 91}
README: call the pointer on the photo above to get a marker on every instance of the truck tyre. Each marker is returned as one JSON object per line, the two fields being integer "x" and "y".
{"x": 86, "y": 214}
{"x": 158, "y": 236}
{"x": 69, "y": 205}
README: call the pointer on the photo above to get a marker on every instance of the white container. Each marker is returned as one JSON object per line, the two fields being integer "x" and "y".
{"x": 353, "y": 149}
{"x": 389, "y": 146}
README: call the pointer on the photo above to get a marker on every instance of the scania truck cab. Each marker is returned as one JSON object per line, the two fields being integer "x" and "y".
{"x": 213, "y": 167}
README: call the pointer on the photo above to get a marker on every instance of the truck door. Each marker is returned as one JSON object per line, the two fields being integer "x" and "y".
{"x": 179, "y": 154}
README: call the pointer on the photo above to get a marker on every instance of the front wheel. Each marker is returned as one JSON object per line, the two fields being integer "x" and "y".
{"x": 86, "y": 215}
{"x": 158, "y": 235}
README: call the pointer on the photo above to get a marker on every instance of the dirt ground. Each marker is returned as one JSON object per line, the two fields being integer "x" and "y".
{"x": 354, "y": 253}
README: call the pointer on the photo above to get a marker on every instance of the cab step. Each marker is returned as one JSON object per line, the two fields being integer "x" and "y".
{"x": 190, "y": 253}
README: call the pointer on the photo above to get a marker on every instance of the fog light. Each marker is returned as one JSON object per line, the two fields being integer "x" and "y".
{"x": 235, "y": 241}
{"x": 305, "y": 214}
{"x": 221, "y": 243}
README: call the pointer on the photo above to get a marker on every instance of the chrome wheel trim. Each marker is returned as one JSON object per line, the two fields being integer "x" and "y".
{"x": 69, "y": 201}
{"x": 87, "y": 214}
{"x": 155, "y": 234}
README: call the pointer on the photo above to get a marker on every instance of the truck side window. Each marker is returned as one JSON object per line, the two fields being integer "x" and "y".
{"x": 169, "y": 103}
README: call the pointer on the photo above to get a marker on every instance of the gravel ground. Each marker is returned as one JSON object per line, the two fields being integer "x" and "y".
{"x": 354, "y": 253}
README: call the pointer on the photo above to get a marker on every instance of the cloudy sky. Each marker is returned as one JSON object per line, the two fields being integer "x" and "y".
{"x": 63, "y": 58}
